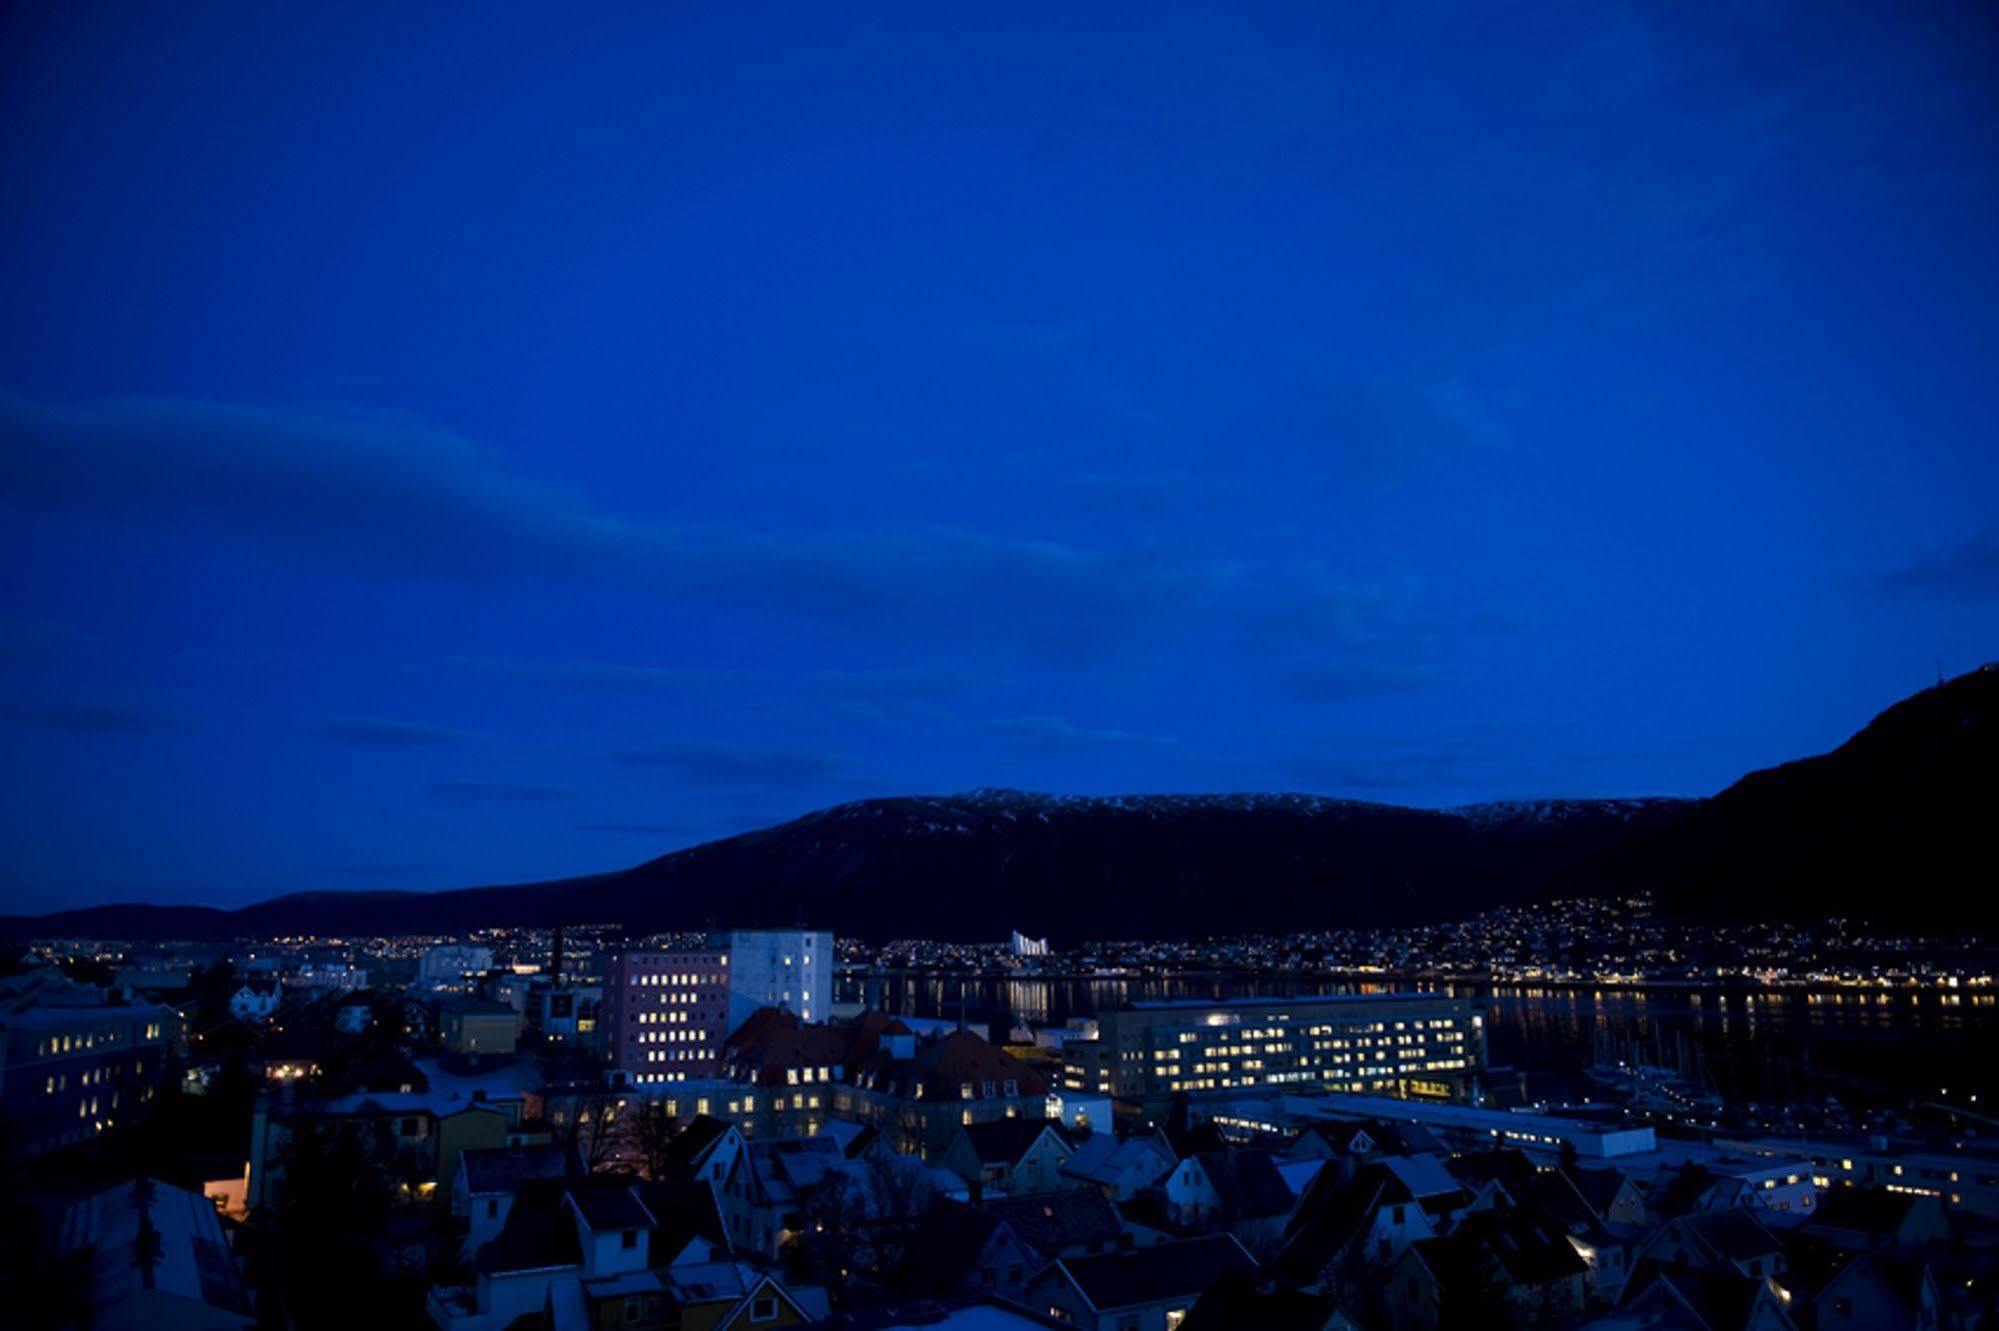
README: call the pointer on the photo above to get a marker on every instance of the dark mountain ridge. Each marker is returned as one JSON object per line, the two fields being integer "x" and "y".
{"x": 1894, "y": 825}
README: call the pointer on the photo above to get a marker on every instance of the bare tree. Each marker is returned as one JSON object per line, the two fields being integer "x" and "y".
{"x": 587, "y": 1121}
{"x": 649, "y": 1132}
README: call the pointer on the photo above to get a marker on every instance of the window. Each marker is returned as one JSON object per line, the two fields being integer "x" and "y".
{"x": 629, "y": 1238}
{"x": 763, "y": 1308}
{"x": 492, "y": 1210}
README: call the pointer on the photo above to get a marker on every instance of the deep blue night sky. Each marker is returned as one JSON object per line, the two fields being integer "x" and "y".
{"x": 440, "y": 449}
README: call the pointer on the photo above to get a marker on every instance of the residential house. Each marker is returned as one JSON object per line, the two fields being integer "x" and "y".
{"x": 1237, "y": 1303}
{"x": 1610, "y": 1194}
{"x": 1878, "y": 1291}
{"x": 256, "y": 1000}
{"x": 1009, "y": 1155}
{"x": 415, "y": 1116}
{"x": 1855, "y": 1220}
{"x": 609, "y": 1251}
{"x": 1077, "y": 1222}
{"x": 1143, "y": 1289}
{"x": 1345, "y": 1229}
{"x": 1717, "y": 1240}
{"x": 1684, "y": 1298}
{"x": 1506, "y": 1267}
{"x": 1237, "y": 1191}
{"x": 1119, "y": 1169}
{"x": 957, "y": 1252}
{"x": 487, "y": 1178}
{"x": 768, "y": 1188}
{"x": 707, "y": 1149}
{"x": 1606, "y": 1251}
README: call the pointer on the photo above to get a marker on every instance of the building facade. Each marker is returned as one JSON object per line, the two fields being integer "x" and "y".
{"x": 667, "y": 1013}
{"x": 73, "y": 1065}
{"x": 452, "y": 967}
{"x": 1414, "y": 1045}
{"x": 782, "y": 968}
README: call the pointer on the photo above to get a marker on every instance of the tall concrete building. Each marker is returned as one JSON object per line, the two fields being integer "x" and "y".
{"x": 668, "y": 1012}
{"x": 786, "y": 968}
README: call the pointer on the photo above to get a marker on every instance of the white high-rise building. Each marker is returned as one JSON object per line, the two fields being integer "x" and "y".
{"x": 451, "y": 966}
{"x": 787, "y": 968}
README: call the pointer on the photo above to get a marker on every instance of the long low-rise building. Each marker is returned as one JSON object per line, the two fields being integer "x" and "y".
{"x": 1781, "y": 1184}
{"x": 1964, "y": 1179}
{"x": 1461, "y": 1127}
{"x": 1419, "y": 1045}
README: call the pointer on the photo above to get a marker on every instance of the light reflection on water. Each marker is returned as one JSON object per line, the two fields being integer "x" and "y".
{"x": 1757, "y": 1044}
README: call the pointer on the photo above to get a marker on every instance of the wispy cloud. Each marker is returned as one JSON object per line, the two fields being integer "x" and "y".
{"x": 1344, "y": 680}
{"x": 89, "y": 718}
{"x": 25, "y": 640}
{"x": 375, "y": 732}
{"x": 1965, "y": 572}
{"x": 608, "y": 676}
{"x": 634, "y": 829}
{"x": 737, "y": 764}
{"x": 380, "y": 495}
{"x": 497, "y": 793}
{"x": 1058, "y": 734}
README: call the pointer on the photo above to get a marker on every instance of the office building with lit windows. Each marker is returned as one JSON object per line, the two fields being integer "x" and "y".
{"x": 75, "y": 1063}
{"x": 667, "y": 1012}
{"x": 1426, "y": 1046}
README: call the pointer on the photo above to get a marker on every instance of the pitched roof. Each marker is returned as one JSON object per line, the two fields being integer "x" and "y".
{"x": 490, "y": 1169}
{"x": 609, "y": 1203}
{"x": 1340, "y": 1136}
{"x": 1554, "y": 1194}
{"x": 1233, "y": 1303}
{"x": 1155, "y": 1273}
{"x": 690, "y": 1146}
{"x": 1721, "y": 1299}
{"x": 1248, "y": 1184}
{"x": 1102, "y": 1158}
{"x": 1330, "y": 1217}
{"x": 538, "y": 1234}
{"x": 1901, "y": 1278}
{"x": 1598, "y": 1187}
{"x": 1004, "y": 1141}
{"x": 775, "y": 1042}
{"x": 1506, "y": 1167}
{"x": 1532, "y": 1250}
{"x": 782, "y": 1166}
{"x": 682, "y": 1212}
{"x": 1054, "y": 1221}
{"x": 143, "y": 1236}
{"x": 940, "y": 1250}
{"x": 1734, "y": 1234}
{"x": 942, "y": 1067}
{"x": 1873, "y": 1211}
{"x": 1193, "y": 1138}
